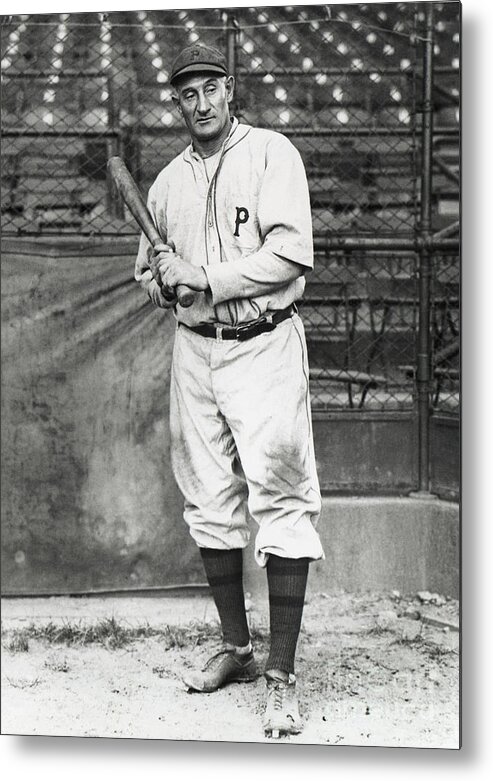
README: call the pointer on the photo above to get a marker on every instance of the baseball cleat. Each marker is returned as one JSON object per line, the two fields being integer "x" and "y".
{"x": 282, "y": 716}
{"x": 227, "y": 666}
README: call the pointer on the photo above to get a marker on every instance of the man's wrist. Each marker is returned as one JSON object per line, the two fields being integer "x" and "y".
{"x": 205, "y": 280}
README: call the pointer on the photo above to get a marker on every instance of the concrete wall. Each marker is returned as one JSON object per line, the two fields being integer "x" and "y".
{"x": 374, "y": 544}
{"x": 376, "y": 453}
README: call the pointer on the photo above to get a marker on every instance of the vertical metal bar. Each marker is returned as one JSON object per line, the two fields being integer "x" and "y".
{"x": 115, "y": 204}
{"x": 231, "y": 27}
{"x": 135, "y": 108}
{"x": 423, "y": 368}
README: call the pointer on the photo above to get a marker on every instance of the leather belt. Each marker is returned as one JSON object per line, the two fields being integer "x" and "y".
{"x": 243, "y": 332}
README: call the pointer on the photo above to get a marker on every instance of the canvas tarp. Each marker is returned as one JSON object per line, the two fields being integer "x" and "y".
{"x": 88, "y": 497}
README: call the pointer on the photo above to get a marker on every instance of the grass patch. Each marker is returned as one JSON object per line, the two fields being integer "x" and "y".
{"x": 114, "y": 634}
{"x": 107, "y": 632}
{"x": 17, "y": 644}
{"x": 378, "y": 631}
{"x": 428, "y": 647}
{"x": 439, "y": 652}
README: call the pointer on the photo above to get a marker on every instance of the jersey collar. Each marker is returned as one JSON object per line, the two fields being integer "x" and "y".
{"x": 237, "y": 133}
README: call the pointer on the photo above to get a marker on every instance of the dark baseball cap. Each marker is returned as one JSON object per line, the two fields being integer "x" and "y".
{"x": 198, "y": 58}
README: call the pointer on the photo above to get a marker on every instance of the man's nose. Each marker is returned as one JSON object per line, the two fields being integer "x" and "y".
{"x": 203, "y": 104}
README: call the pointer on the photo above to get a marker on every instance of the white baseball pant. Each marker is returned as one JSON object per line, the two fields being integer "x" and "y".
{"x": 241, "y": 440}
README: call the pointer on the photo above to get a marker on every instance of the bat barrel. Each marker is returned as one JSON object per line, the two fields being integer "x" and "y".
{"x": 132, "y": 197}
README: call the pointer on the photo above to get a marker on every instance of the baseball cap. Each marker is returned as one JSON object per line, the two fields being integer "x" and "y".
{"x": 198, "y": 58}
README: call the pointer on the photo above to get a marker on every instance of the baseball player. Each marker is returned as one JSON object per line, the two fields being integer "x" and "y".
{"x": 233, "y": 210}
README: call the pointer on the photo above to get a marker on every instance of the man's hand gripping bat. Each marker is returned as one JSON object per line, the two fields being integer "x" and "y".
{"x": 133, "y": 199}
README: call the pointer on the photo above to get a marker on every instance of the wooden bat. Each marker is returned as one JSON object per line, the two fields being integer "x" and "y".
{"x": 132, "y": 197}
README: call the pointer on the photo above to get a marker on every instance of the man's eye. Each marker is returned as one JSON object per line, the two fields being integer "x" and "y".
{"x": 210, "y": 90}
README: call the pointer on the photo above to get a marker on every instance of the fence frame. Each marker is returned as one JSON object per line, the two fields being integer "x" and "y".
{"x": 423, "y": 243}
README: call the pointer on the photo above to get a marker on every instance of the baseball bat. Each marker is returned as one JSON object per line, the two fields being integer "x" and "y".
{"x": 132, "y": 197}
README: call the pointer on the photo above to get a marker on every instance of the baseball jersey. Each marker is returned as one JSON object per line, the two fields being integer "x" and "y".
{"x": 241, "y": 216}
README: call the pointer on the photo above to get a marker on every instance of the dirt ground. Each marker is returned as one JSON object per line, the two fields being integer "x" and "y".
{"x": 373, "y": 670}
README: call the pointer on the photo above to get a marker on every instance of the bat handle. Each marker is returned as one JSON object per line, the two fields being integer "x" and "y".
{"x": 184, "y": 294}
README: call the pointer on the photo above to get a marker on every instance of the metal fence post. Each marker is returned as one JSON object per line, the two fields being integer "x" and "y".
{"x": 115, "y": 204}
{"x": 231, "y": 27}
{"x": 423, "y": 367}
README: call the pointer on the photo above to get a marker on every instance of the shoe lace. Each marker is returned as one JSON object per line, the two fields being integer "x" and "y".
{"x": 214, "y": 660}
{"x": 276, "y": 693}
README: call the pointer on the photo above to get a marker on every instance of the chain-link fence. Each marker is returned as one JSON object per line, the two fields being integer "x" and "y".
{"x": 345, "y": 83}
{"x": 445, "y": 332}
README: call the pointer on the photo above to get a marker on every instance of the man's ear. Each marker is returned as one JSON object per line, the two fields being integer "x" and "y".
{"x": 230, "y": 88}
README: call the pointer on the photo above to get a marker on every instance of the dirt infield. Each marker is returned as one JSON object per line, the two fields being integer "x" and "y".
{"x": 373, "y": 669}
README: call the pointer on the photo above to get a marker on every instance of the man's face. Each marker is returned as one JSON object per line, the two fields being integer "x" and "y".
{"x": 203, "y": 101}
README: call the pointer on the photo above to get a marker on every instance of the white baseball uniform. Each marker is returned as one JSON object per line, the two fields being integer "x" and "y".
{"x": 240, "y": 411}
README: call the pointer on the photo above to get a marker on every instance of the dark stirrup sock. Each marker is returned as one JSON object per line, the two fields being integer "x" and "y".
{"x": 224, "y": 570}
{"x": 287, "y": 585}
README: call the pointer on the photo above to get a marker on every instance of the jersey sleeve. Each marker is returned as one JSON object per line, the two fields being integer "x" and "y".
{"x": 284, "y": 212}
{"x": 257, "y": 275}
{"x": 285, "y": 223}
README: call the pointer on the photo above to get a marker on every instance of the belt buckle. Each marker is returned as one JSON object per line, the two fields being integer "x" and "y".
{"x": 268, "y": 323}
{"x": 260, "y": 326}
{"x": 244, "y": 332}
